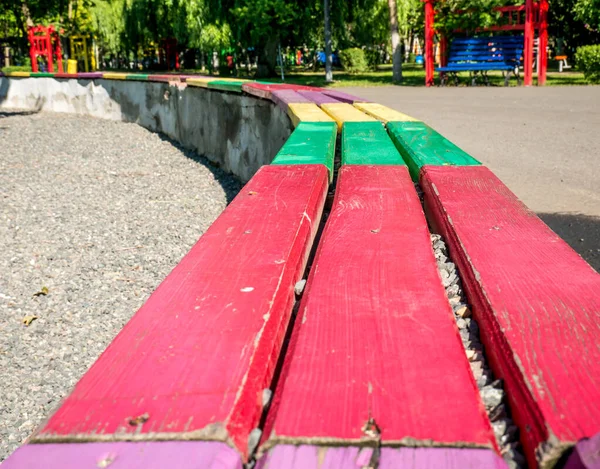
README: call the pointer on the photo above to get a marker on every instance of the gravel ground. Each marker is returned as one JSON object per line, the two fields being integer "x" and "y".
{"x": 93, "y": 215}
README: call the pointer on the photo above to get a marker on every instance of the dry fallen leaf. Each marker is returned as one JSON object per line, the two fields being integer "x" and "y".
{"x": 139, "y": 419}
{"x": 42, "y": 292}
{"x": 29, "y": 319}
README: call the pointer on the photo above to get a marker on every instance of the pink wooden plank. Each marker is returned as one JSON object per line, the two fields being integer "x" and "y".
{"x": 318, "y": 97}
{"x": 352, "y": 457}
{"x": 126, "y": 455}
{"x": 164, "y": 78}
{"x": 194, "y": 360}
{"x": 284, "y": 97}
{"x": 89, "y": 75}
{"x": 263, "y": 90}
{"x": 344, "y": 97}
{"x": 375, "y": 332}
{"x": 537, "y": 303}
{"x": 586, "y": 454}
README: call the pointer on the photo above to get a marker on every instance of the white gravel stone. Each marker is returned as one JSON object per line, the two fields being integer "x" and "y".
{"x": 98, "y": 212}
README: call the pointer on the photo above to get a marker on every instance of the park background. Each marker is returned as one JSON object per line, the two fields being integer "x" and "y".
{"x": 372, "y": 42}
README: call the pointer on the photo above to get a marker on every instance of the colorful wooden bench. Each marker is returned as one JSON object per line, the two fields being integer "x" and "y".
{"x": 374, "y": 371}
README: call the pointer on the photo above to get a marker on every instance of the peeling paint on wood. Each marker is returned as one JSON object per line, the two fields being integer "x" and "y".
{"x": 537, "y": 303}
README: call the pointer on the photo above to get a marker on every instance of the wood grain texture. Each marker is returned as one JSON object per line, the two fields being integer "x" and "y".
{"x": 126, "y": 455}
{"x": 318, "y": 97}
{"x": 537, "y": 303}
{"x": 90, "y": 75}
{"x": 352, "y": 457}
{"x": 233, "y": 86}
{"x": 194, "y": 360}
{"x": 114, "y": 76}
{"x": 420, "y": 145}
{"x": 310, "y": 143}
{"x": 384, "y": 113}
{"x": 343, "y": 112}
{"x": 263, "y": 90}
{"x": 344, "y": 97}
{"x": 164, "y": 78}
{"x": 284, "y": 97}
{"x": 368, "y": 143}
{"x": 586, "y": 454}
{"x": 306, "y": 112}
{"x": 375, "y": 332}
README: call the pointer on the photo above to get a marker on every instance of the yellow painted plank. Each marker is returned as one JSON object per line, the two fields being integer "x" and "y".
{"x": 384, "y": 113}
{"x": 115, "y": 76}
{"x": 306, "y": 112}
{"x": 18, "y": 74}
{"x": 200, "y": 81}
{"x": 343, "y": 112}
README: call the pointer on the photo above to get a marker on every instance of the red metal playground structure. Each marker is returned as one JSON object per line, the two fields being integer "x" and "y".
{"x": 528, "y": 18}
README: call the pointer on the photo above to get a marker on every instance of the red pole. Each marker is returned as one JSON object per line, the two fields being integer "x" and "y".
{"x": 429, "y": 43}
{"x": 528, "y": 47}
{"x": 543, "y": 43}
{"x": 32, "y": 50}
{"x": 443, "y": 51}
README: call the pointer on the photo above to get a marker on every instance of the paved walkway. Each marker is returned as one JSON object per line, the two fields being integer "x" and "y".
{"x": 544, "y": 143}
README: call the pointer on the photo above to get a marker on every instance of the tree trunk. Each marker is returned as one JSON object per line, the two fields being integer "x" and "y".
{"x": 267, "y": 58}
{"x": 26, "y": 14}
{"x": 396, "y": 49}
{"x": 328, "y": 58}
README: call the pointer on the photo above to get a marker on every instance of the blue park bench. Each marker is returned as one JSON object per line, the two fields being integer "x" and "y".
{"x": 479, "y": 55}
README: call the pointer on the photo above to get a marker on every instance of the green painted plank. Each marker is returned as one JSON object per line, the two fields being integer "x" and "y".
{"x": 368, "y": 143}
{"x": 226, "y": 85}
{"x": 42, "y": 74}
{"x": 137, "y": 76}
{"x": 420, "y": 145}
{"x": 310, "y": 143}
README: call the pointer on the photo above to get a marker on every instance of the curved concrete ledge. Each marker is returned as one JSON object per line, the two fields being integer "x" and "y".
{"x": 239, "y": 132}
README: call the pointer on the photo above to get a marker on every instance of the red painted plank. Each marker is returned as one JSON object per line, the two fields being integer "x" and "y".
{"x": 537, "y": 303}
{"x": 164, "y": 78}
{"x": 263, "y": 90}
{"x": 194, "y": 360}
{"x": 126, "y": 455}
{"x": 284, "y": 97}
{"x": 375, "y": 336}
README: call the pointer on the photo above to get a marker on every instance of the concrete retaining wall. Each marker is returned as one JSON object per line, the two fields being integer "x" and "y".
{"x": 238, "y": 132}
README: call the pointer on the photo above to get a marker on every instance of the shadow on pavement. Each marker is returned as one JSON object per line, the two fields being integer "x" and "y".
{"x": 581, "y": 232}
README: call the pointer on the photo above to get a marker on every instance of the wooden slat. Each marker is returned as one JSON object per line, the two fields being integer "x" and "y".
{"x": 352, "y": 457}
{"x": 536, "y": 301}
{"x": 126, "y": 455}
{"x": 18, "y": 74}
{"x": 384, "y": 113}
{"x": 310, "y": 143}
{"x": 318, "y": 97}
{"x": 263, "y": 90}
{"x": 375, "y": 333}
{"x": 420, "y": 145}
{"x": 283, "y": 98}
{"x": 114, "y": 76}
{"x": 344, "y": 97}
{"x": 90, "y": 75}
{"x": 194, "y": 360}
{"x": 164, "y": 78}
{"x": 368, "y": 143}
{"x": 137, "y": 76}
{"x": 201, "y": 82}
{"x": 344, "y": 112}
{"x": 307, "y": 112}
{"x": 233, "y": 86}
{"x": 43, "y": 74}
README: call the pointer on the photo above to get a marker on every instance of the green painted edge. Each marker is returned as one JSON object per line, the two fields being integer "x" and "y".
{"x": 310, "y": 143}
{"x": 137, "y": 76}
{"x": 415, "y": 157}
{"x": 41, "y": 74}
{"x": 226, "y": 85}
{"x": 367, "y": 143}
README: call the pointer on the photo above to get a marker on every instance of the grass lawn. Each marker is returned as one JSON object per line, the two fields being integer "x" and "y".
{"x": 413, "y": 75}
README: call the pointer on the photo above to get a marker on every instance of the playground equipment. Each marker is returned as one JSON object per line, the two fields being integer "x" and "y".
{"x": 44, "y": 43}
{"x": 527, "y": 18}
{"x": 81, "y": 48}
{"x": 232, "y": 357}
